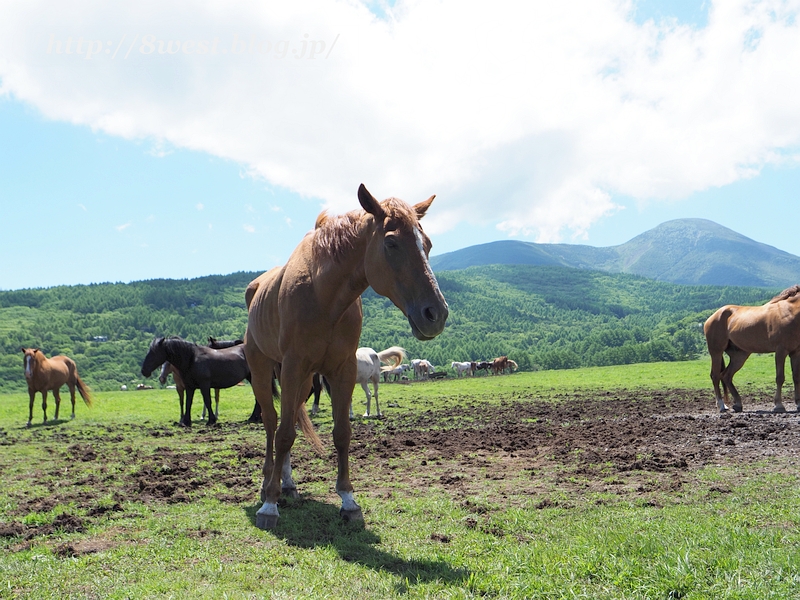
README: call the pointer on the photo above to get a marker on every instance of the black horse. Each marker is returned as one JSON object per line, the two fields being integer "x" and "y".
{"x": 200, "y": 367}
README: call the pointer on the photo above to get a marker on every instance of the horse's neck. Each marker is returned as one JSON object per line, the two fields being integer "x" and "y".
{"x": 179, "y": 359}
{"x": 340, "y": 283}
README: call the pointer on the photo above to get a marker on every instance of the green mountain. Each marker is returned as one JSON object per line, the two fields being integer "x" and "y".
{"x": 685, "y": 251}
{"x": 543, "y": 317}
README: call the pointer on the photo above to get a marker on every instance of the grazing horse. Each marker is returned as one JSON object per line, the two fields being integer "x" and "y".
{"x": 739, "y": 331}
{"x": 307, "y": 316}
{"x": 45, "y": 374}
{"x": 394, "y": 372}
{"x": 463, "y": 367}
{"x": 200, "y": 368}
{"x": 369, "y": 370}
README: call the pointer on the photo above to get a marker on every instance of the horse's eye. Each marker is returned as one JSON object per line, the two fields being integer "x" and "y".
{"x": 390, "y": 243}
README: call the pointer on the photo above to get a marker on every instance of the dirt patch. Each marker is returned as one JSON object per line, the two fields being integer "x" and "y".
{"x": 624, "y": 443}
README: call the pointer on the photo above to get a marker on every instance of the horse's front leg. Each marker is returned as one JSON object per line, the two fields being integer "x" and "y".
{"x": 294, "y": 387}
{"x": 780, "y": 378}
{"x": 342, "y": 387}
{"x": 186, "y": 421}
{"x": 206, "y": 392}
{"x": 44, "y": 405}
{"x": 32, "y": 395}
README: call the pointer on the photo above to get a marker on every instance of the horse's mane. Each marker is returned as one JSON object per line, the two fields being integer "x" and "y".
{"x": 179, "y": 352}
{"x": 786, "y": 294}
{"x": 335, "y": 235}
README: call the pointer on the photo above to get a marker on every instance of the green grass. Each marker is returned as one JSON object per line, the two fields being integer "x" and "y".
{"x": 418, "y": 542}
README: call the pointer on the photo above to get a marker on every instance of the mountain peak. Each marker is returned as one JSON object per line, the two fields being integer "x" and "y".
{"x": 686, "y": 251}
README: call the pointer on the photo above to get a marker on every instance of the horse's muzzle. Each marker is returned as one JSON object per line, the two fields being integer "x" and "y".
{"x": 428, "y": 321}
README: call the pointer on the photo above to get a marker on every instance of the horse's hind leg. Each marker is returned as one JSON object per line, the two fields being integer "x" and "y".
{"x": 377, "y": 406}
{"x": 794, "y": 360}
{"x": 738, "y": 358}
{"x": 780, "y": 378}
{"x": 57, "y": 396}
{"x": 72, "y": 399}
{"x": 717, "y": 368}
{"x": 365, "y": 387}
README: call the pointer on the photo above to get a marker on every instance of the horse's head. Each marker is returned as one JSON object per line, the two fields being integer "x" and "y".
{"x": 396, "y": 263}
{"x": 29, "y": 360}
{"x": 156, "y": 356}
{"x": 162, "y": 377}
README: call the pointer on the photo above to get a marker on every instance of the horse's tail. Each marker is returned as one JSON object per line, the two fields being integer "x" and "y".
{"x": 393, "y": 356}
{"x": 84, "y": 390}
{"x": 307, "y": 427}
{"x": 512, "y": 365}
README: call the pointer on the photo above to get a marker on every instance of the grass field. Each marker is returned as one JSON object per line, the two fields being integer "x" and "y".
{"x": 123, "y": 503}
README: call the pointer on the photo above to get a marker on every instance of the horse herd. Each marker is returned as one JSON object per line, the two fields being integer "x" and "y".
{"x": 304, "y": 324}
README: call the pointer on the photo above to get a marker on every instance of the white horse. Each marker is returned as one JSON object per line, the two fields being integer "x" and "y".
{"x": 394, "y": 372}
{"x": 369, "y": 369}
{"x": 462, "y": 367}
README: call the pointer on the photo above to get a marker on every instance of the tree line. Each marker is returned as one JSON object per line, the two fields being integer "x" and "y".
{"x": 541, "y": 317}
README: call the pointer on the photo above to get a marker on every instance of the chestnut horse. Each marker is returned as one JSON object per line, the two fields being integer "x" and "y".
{"x": 44, "y": 374}
{"x": 739, "y": 331}
{"x": 307, "y": 316}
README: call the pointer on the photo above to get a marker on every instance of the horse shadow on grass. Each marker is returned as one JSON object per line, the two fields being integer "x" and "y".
{"x": 306, "y": 523}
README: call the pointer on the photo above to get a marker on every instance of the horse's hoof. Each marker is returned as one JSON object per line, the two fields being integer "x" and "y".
{"x": 352, "y": 516}
{"x": 737, "y": 409}
{"x": 779, "y": 409}
{"x": 266, "y": 522}
{"x": 290, "y": 493}
{"x": 72, "y": 417}
{"x": 29, "y": 424}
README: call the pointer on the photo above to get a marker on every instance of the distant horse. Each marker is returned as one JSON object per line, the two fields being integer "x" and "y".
{"x": 463, "y": 367}
{"x": 739, "y": 331}
{"x": 369, "y": 370}
{"x": 307, "y": 316}
{"x": 168, "y": 369}
{"x": 422, "y": 368}
{"x": 394, "y": 372}
{"x": 499, "y": 365}
{"x": 45, "y": 374}
{"x": 483, "y": 365}
{"x": 200, "y": 368}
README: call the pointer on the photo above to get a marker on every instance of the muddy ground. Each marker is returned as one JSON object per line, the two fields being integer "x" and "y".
{"x": 566, "y": 449}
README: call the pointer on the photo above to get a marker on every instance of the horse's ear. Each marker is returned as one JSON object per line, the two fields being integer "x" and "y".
{"x": 23, "y": 349}
{"x": 423, "y": 207}
{"x": 370, "y": 204}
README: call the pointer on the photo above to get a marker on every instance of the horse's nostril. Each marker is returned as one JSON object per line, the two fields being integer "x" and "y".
{"x": 430, "y": 314}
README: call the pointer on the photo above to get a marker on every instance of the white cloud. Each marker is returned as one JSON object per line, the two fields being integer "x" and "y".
{"x": 529, "y": 114}
{"x": 199, "y": 206}
{"x": 122, "y": 227}
{"x": 249, "y": 228}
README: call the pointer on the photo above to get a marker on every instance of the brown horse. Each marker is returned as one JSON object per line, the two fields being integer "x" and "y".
{"x": 739, "y": 331}
{"x": 44, "y": 374}
{"x": 307, "y": 315}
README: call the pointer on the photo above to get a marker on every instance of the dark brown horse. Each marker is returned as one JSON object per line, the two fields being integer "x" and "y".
{"x": 200, "y": 367}
{"x": 45, "y": 374}
{"x": 307, "y": 315}
{"x": 739, "y": 331}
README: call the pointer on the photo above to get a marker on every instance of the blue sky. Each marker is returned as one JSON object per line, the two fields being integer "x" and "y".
{"x": 129, "y": 171}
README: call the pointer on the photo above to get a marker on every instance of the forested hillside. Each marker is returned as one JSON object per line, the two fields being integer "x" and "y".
{"x": 542, "y": 317}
